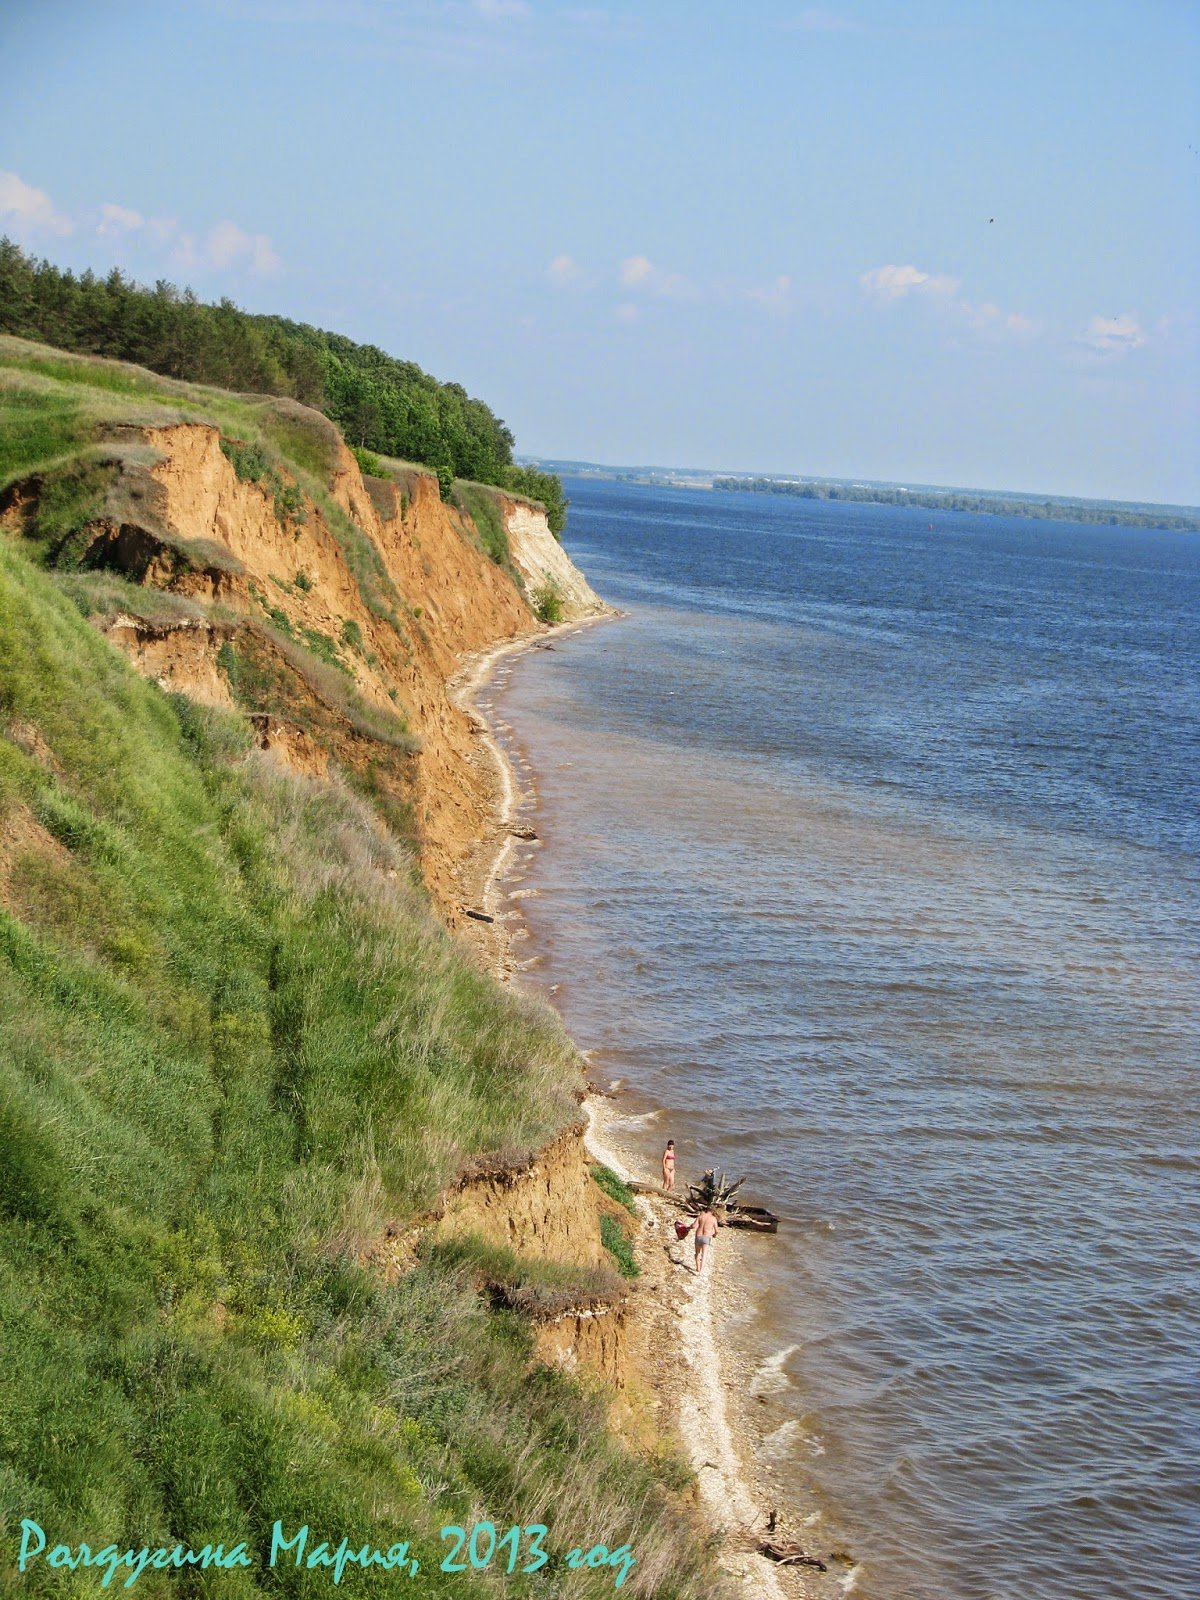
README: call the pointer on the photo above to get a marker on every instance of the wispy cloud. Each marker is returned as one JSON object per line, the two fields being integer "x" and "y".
{"x": 223, "y": 248}
{"x": 27, "y": 211}
{"x": 564, "y": 270}
{"x": 893, "y": 282}
{"x": 228, "y": 246}
{"x": 119, "y": 219}
{"x": 774, "y": 297}
{"x": 501, "y": 10}
{"x": 814, "y": 20}
{"x": 642, "y": 281}
{"x": 1114, "y": 335}
{"x": 640, "y": 273}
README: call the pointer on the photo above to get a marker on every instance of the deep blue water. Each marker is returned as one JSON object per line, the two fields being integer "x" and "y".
{"x": 872, "y": 860}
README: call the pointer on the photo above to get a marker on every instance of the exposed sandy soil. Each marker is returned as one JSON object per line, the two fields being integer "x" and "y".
{"x": 541, "y": 1209}
{"x": 22, "y": 837}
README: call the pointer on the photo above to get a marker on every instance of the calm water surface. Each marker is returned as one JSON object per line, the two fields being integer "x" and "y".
{"x": 872, "y": 863}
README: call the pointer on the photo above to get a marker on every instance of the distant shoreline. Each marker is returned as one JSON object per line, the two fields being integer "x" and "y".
{"x": 979, "y": 502}
{"x": 923, "y": 496}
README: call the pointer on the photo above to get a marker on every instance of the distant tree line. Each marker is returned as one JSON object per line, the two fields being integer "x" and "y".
{"x": 955, "y": 500}
{"x": 380, "y": 403}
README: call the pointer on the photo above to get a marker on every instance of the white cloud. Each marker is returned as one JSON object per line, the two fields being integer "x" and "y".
{"x": 815, "y": 20}
{"x": 1115, "y": 335}
{"x": 263, "y": 258}
{"x": 228, "y": 246}
{"x": 626, "y": 313}
{"x": 501, "y": 10}
{"x": 119, "y": 219}
{"x": 893, "y": 283}
{"x": 28, "y": 210}
{"x": 983, "y": 317}
{"x": 774, "y": 297}
{"x": 638, "y": 272}
{"x": 564, "y": 270}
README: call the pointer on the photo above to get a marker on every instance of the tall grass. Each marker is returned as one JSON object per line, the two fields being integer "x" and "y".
{"x": 479, "y": 502}
{"x": 234, "y": 1047}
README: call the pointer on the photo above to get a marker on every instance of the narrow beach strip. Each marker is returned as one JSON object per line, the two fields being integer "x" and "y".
{"x": 691, "y": 1387}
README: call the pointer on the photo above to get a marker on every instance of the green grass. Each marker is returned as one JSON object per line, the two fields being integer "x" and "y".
{"x": 234, "y": 1048}
{"x": 538, "y": 1288}
{"x": 479, "y": 503}
{"x": 614, "y": 1187}
{"x": 617, "y": 1242}
{"x": 104, "y": 596}
{"x": 37, "y": 426}
{"x": 257, "y": 662}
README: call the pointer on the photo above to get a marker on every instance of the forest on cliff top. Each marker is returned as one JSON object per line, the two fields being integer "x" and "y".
{"x": 380, "y": 403}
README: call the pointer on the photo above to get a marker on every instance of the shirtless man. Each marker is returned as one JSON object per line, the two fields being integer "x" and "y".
{"x": 668, "y": 1165}
{"x": 706, "y": 1232}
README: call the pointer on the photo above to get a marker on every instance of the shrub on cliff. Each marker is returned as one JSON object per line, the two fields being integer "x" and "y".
{"x": 545, "y": 487}
{"x": 547, "y": 601}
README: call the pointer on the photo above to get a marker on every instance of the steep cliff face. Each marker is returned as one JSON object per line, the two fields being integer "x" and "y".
{"x": 379, "y": 580}
{"x": 336, "y": 610}
{"x": 544, "y": 1208}
{"x": 542, "y": 561}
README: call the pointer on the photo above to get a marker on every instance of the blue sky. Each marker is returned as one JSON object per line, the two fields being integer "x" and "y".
{"x": 750, "y": 236}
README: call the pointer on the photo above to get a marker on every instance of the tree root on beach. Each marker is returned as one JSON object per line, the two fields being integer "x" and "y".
{"x": 789, "y": 1554}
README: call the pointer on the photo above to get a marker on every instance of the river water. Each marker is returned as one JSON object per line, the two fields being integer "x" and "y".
{"x": 871, "y": 862}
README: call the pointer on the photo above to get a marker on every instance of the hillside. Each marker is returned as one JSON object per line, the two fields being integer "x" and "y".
{"x": 382, "y": 404}
{"x": 294, "y": 1219}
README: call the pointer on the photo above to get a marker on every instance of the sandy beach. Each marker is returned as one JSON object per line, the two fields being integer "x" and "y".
{"x": 695, "y": 1388}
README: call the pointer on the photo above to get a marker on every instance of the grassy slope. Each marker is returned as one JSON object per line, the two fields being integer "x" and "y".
{"x": 233, "y": 1047}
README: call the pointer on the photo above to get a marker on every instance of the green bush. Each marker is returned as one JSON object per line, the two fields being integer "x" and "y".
{"x": 544, "y": 487}
{"x": 368, "y": 462}
{"x": 547, "y": 601}
{"x": 249, "y": 461}
{"x": 323, "y": 647}
{"x": 253, "y": 465}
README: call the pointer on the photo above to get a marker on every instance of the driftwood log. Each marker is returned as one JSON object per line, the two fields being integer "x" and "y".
{"x": 712, "y": 1193}
{"x": 755, "y": 1219}
{"x": 789, "y": 1554}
